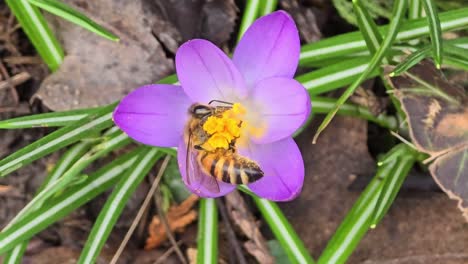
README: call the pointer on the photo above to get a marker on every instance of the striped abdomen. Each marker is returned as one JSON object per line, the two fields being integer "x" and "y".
{"x": 229, "y": 167}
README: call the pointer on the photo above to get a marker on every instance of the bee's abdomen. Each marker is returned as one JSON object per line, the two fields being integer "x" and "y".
{"x": 232, "y": 169}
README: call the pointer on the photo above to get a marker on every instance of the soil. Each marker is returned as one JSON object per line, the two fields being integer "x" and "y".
{"x": 422, "y": 226}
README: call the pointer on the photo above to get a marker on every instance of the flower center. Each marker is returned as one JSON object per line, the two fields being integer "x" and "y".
{"x": 225, "y": 128}
{"x": 232, "y": 127}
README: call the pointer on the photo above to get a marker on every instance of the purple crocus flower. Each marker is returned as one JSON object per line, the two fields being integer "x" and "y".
{"x": 259, "y": 77}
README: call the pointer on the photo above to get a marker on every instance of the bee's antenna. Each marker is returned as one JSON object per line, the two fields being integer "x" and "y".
{"x": 219, "y": 101}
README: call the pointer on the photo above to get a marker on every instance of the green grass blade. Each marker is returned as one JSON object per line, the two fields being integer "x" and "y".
{"x": 391, "y": 187}
{"x": 411, "y": 60}
{"x": 116, "y": 203}
{"x": 207, "y": 238}
{"x": 63, "y": 137}
{"x": 414, "y": 9}
{"x": 435, "y": 30}
{"x": 323, "y": 105}
{"x": 455, "y": 62}
{"x": 353, "y": 42}
{"x": 38, "y": 32}
{"x": 251, "y": 12}
{"x": 65, "y": 162}
{"x": 267, "y": 6}
{"x": 367, "y": 26}
{"x": 282, "y": 229}
{"x": 335, "y": 76}
{"x": 398, "y": 15}
{"x": 56, "y": 187}
{"x": 456, "y": 51}
{"x": 53, "y": 119}
{"x": 356, "y": 222}
{"x": 15, "y": 256}
{"x": 65, "y": 203}
{"x": 68, "y": 13}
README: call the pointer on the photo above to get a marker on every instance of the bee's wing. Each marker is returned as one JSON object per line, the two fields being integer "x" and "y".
{"x": 195, "y": 176}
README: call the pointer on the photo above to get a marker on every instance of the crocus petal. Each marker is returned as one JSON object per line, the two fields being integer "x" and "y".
{"x": 206, "y": 73}
{"x": 283, "y": 105}
{"x": 282, "y": 163}
{"x": 200, "y": 190}
{"x": 154, "y": 114}
{"x": 269, "y": 48}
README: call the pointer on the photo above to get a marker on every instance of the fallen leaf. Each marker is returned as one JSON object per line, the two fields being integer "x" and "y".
{"x": 178, "y": 218}
{"x": 437, "y": 113}
{"x": 192, "y": 255}
{"x": 5, "y": 188}
{"x": 96, "y": 71}
{"x": 243, "y": 218}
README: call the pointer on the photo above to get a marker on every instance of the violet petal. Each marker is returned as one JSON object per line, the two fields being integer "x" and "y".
{"x": 200, "y": 190}
{"x": 269, "y": 48}
{"x": 206, "y": 73}
{"x": 154, "y": 114}
{"x": 284, "y": 106}
{"x": 282, "y": 163}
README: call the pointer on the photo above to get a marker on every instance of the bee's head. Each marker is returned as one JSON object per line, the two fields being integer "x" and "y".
{"x": 200, "y": 110}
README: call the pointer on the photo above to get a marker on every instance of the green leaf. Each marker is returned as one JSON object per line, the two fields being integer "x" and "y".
{"x": 251, "y": 12}
{"x": 207, "y": 238}
{"x": 414, "y": 9}
{"x": 63, "y": 137}
{"x": 267, "y": 6}
{"x": 278, "y": 252}
{"x": 323, "y": 105}
{"x": 60, "y": 206}
{"x": 65, "y": 162}
{"x": 455, "y": 62}
{"x": 38, "y": 32}
{"x": 367, "y": 26}
{"x": 392, "y": 185}
{"x": 335, "y": 76}
{"x": 53, "y": 119}
{"x": 357, "y": 221}
{"x": 411, "y": 60}
{"x": 116, "y": 203}
{"x": 66, "y": 12}
{"x": 353, "y": 42}
{"x": 398, "y": 14}
{"x": 435, "y": 30}
{"x": 456, "y": 51}
{"x": 282, "y": 229}
{"x": 173, "y": 180}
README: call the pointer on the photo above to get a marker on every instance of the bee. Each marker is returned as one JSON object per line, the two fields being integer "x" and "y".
{"x": 220, "y": 164}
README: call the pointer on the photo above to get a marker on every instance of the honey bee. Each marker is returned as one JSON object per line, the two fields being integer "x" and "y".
{"x": 220, "y": 164}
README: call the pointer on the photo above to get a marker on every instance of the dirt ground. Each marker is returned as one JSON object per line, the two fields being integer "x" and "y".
{"x": 423, "y": 225}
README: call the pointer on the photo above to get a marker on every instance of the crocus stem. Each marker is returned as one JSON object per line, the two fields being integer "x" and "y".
{"x": 207, "y": 241}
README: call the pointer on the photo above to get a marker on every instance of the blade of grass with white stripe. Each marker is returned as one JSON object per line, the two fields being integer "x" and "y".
{"x": 267, "y": 6}
{"x": 456, "y": 51}
{"x": 116, "y": 203}
{"x": 63, "y": 137}
{"x": 367, "y": 26}
{"x": 251, "y": 12}
{"x": 455, "y": 62}
{"x": 411, "y": 60}
{"x": 335, "y": 76}
{"x": 66, "y": 12}
{"x": 34, "y": 25}
{"x": 53, "y": 119}
{"x": 71, "y": 156}
{"x": 399, "y": 9}
{"x": 435, "y": 30}
{"x": 353, "y": 42}
{"x": 282, "y": 229}
{"x": 414, "y": 9}
{"x": 65, "y": 203}
{"x": 115, "y": 141}
{"x": 323, "y": 105}
{"x": 207, "y": 234}
{"x": 391, "y": 185}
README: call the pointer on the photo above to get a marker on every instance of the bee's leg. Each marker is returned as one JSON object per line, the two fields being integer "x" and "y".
{"x": 199, "y": 147}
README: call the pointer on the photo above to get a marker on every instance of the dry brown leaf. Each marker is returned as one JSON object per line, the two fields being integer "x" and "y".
{"x": 192, "y": 255}
{"x": 178, "y": 218}
{"x": 244, "y": 219}
{"x": 5, "y": 188}
{"x": 437, "y": 113}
